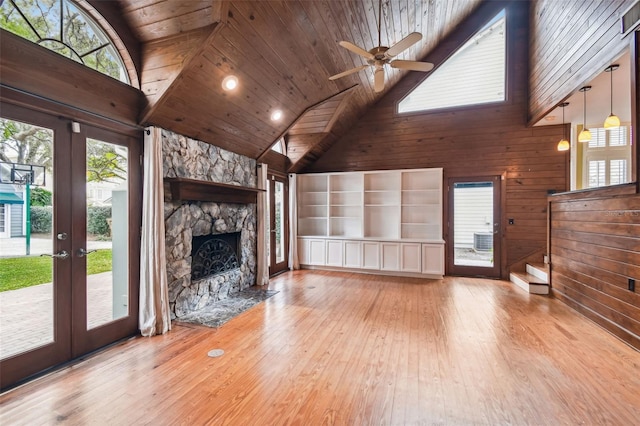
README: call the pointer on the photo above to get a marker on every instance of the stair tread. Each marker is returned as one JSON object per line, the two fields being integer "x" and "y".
{"x": 541, "y": 266}
{"x": 531, "y": 279}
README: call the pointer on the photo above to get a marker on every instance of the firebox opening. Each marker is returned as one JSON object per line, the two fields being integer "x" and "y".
{"x": 213, "y": 254}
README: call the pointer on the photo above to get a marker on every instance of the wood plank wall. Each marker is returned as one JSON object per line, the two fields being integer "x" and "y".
{"x": 487, "y": 140}
{"x": 572, "y": 41}
{"x": 595, "y": 249}
{"x": 33, "y": 69}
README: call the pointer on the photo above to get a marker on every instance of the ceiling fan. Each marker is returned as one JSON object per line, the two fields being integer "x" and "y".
{"x": 381, "y": 55}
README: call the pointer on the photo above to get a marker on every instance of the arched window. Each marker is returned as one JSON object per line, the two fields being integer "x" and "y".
{"x": 64, "y": 27}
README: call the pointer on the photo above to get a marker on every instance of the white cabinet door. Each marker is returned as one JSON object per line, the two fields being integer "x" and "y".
{"x": 410, "y": 254}
{"x": 352, "y": 254}
{"x": 317, "y": 252}
{"x": 370, "y": 255}
{"x": 433, "y": 259}
{"x": 390, "y": 256}
{"x": 303, "y": 251}
{"x": 334, "y": 252}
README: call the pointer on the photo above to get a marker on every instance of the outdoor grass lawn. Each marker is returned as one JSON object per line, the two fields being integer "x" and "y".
{"x": 19, "y": 272}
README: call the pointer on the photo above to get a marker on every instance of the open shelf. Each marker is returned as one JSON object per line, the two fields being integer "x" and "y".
{"x": 388, "y": 204}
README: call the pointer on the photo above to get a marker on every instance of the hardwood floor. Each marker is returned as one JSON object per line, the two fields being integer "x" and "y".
{"x": 340, "y": 348}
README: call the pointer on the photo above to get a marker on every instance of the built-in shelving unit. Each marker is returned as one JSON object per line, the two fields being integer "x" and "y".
{"x": 387, "y": 220}
{"x": 313, "y": 205}
{"x": 421, "y": 204}
{"x": 345, "y": 205}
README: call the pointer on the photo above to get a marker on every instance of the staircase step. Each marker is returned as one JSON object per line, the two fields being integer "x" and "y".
{"x": 539, "y": 270}
{"x": 529, "y": 283}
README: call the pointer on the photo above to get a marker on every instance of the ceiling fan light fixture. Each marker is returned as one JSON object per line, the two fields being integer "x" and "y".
{"x": 612, "y": 121}
{"x": 229, "y": 83}
{"x": 381, "y": 55}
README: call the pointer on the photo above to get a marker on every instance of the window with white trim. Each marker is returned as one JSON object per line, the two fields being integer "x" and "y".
{"x": 475, "y": 74}
{"x": 607, "y": 157}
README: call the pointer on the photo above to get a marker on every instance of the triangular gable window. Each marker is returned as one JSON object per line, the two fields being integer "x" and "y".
{"x": 279, "y": 147}
{"x": 475, "y": 74}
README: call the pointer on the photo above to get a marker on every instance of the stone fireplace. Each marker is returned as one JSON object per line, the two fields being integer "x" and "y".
{"x": 190, "y": 224}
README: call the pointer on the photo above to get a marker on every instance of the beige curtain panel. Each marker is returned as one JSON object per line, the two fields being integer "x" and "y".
{"x": 155, "y": 317}
{"x": 262, "y": 267}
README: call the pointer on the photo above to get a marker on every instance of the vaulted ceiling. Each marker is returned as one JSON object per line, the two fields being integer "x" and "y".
{"x": 283, "y": 53}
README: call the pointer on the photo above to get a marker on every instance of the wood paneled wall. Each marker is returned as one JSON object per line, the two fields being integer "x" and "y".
{"x": 486, "y": 140}
{"x": 38, "y": 71}
{"x": 572, "y": 41}
{"x": 595, "y": 249}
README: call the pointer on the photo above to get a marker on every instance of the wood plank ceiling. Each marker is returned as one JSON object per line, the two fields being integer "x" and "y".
{"x": 282, "y": 53}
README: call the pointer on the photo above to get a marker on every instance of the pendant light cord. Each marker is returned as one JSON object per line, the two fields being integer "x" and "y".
{"x": 611, "y": 104}
{"x": 564, "y": 128}
{"x": 379, "y": 23}
{"x": 584, "y": 110}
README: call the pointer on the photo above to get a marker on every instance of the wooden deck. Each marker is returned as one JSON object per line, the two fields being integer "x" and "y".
{"x": 339, "y": 348}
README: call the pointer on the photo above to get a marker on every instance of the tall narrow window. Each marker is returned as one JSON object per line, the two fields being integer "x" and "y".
{"x": 475, "y": 74}
{"x": 65, "y": 28}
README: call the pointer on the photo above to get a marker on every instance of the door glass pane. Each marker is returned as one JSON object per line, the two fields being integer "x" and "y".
{"x": 279, "y": 219}
{"x": 268, "y": 222}
{"x": 473, "y": 223}
{"x": 26, "y": 277}
{"x": 107, "y": 233}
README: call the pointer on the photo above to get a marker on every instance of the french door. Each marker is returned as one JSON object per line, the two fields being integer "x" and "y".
{"x": 71, "y": 276}
{"x": 278, "y": 195}
{"x": 474, "y": 231}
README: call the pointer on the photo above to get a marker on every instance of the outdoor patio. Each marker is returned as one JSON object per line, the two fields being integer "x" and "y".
{"x": 26, "y": 314}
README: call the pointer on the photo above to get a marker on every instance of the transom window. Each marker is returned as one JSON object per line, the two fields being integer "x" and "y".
{"x": 475, "y": 74}
{"x": 63, "y": 27}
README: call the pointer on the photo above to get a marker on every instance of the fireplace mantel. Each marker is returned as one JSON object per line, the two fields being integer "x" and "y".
{"x": 183, "y": 189}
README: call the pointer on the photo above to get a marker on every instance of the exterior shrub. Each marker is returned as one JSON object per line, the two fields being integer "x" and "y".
{"x": 98, "y": 219}
{"x": 41, "y": 218}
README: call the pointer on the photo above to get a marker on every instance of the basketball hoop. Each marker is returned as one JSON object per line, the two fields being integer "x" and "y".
{"x": 21, "y": 174}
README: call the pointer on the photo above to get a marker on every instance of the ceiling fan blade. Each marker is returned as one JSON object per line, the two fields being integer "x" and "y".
{"x": 403, "y": 44}
{"x": 345, "y": 73}
{"x": 355, "y": 49}
{"x": 378, "y": 80}
{"x": 412, "y": 65}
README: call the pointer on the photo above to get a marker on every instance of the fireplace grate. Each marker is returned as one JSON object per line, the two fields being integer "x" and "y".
{"x": 213, "y": 257}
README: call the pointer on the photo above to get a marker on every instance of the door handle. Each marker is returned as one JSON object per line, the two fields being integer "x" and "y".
{"x": 62, "y": 255}
{"x": 82, "y": 252}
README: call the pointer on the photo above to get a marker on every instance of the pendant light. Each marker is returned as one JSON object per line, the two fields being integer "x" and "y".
{"x": 612, "y": 121}
{"x": 564, "y": 144}
{"x": 585, "y": 134}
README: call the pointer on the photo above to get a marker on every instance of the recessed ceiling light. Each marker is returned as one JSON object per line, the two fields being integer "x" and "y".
{"x": 230, "y": 82}
{"x": 276, "y": 115}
